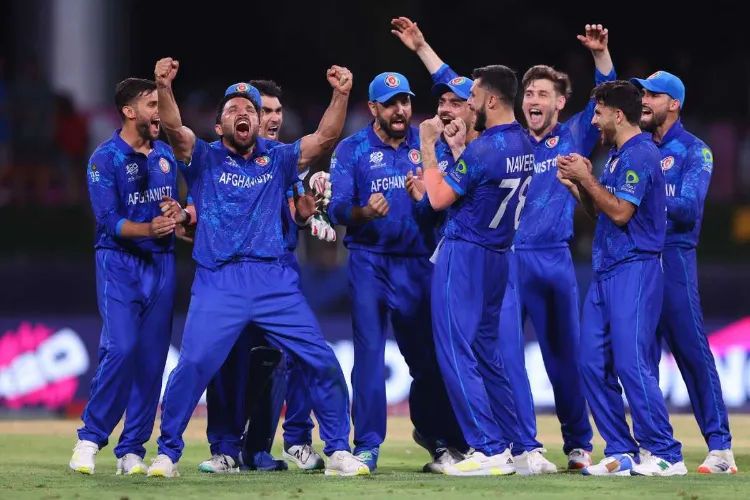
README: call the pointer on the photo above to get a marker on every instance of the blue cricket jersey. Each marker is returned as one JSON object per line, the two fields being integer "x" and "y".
{"x": 362, "y": 165}
{"x": 547, "y": 218}
{"x": 237, "y": 201}
{"x": 632, "y": 173}
{"x": 127, "y": 185}
{"x": 492, "y": 178}
{"x": 687, "y": 164}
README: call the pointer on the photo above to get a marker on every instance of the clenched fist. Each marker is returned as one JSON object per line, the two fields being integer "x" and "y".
{"x": 165, "y": 71}
{"x": 377, "y": 206}
{"x": 340, "y": 78}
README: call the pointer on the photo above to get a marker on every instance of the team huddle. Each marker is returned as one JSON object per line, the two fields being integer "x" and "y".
{"x": 457, "y": 232}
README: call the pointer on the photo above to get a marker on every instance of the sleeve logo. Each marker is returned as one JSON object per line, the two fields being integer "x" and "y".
{"x": 461, "y": 168}
{"x": 631, "y": 177}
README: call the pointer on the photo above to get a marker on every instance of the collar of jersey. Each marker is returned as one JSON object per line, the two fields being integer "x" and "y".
{"x": 259, "y": 150}
{"x": 126, "y": 148}
{"x": 674, "y": 131}
{"x": 501, "y": 128}
{"x": 638, "y": 138}
{"x": 375, "y": 141}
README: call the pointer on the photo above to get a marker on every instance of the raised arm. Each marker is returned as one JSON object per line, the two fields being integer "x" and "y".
{"x": 317, "y": 144}
{"x": 181, "y": 138}
{"x": 411, "y": 36}
{"x": 441, "y": 192}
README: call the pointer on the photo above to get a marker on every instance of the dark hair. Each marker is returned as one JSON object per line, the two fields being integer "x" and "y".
{"x": 621, "y": 95}
{"x": 560, "y": 80}
{"x": 267, "y": 88}
{"x": 229, "y": 97}
{"x": 499, "y": 80}
{"x": 131, "y": 89}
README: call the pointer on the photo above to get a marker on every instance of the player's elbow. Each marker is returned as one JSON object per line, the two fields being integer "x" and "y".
{"x": 622, "y": 218}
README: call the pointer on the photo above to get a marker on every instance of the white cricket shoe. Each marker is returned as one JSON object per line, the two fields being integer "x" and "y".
{"x": 84, "y": 457}
{"x": 343, "y": 463}
{"x": 718, "y": 462}
{"x": 532, "y": 463}
{"x": 130, "y": 465}
{"x": 304, "y": 456}
{"x": 478, "y": 464}
{"x": 219, "y": 464}
{"x": 652, "y": 465}
{"x": 579, "y": 459}
{"x": 162, "y": 466}
{"x": 444, "y": 457}
{"x": 614, "y": 465}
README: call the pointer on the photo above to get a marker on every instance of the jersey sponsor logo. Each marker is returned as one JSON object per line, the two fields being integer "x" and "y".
{"x": 521, "y": 163}
{"x": 164, "y": 165}
{"x": 461, "y": 168}
{"x": 551, "y": 142}
{"x": 708, "y": 159}
{"x": 415, "y": 156}
{"x": 667, "y": 163}
{"x": 94, "y": 174}
{"x": 613, "y": 165}
{"x": 457, "y": 81}
{"x": 131, "y": 170}
{"x": 386, "y": 183}
{"x": 231, "y": 161}
{"x": 262, "y": 160}
{"x": 392, "y": 81}
{"x": 244, "y": 181}
{"x": 376, "y": 160}
{"x": 631, "y": 177}
{"x": 150, "y": 195}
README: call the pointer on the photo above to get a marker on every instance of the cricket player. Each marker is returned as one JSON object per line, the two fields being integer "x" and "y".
{"x": 287, "y": 379}
{"x": 481, "y": 193}
{"x": 238, "y": 185}
{"x": 542, "y": 284}
{"x": 135, "y": 275}
{"x": 624, "y": 300}
{"x": 390, "y": 239}
{"x": 687, "y": 163}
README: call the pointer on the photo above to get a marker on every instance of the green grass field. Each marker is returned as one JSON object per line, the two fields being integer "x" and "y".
{"x": 35, "y": 458}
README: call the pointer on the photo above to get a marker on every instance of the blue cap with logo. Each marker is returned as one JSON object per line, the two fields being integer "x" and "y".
{"x": 244, "y": 90}
{"x": 386, "y": 85}
{"x": 662, "y": 82}
{"x": 461, "y": 86}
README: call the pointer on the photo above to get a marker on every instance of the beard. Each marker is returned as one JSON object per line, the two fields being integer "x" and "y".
{"x": 386, "y": 126}
{"x": 143, "y": 127}
{"x": 480, "y": 124}
{"x": 608, "y": 136}
{"x": 241, "y": 146}
{"x": 655, "y": 121}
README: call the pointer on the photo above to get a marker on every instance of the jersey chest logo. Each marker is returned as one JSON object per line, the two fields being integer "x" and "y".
{"x": 164, "y": 165}
{"x": 667, "y": 163}
{"x": 551, "y": 142}
{"x": 415, "y": 156}
{"x": 262, "y": 160}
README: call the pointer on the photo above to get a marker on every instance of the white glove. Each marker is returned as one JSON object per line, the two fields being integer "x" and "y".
{"x": 321, "y": 228}
{"x": 320, "y": 183}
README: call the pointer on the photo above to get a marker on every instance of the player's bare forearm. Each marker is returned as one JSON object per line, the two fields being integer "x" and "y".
{"x": 585, "y": 200}
{"x": 130, "y": 230}
{"x": 429, "y": 58}
{"x": 181, "y": 138}
{"x": 620, "y": 211}
{"x": 457, "y": 152}
{"x": 682, "y": 209}
{"x": 603, "y": 61}
{"x": 439, "y": 192}
{"x": 193, "y": 216}
{"x": 317, "y": 144}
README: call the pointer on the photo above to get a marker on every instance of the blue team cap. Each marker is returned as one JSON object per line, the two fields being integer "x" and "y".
{"x": 243, "y": 89}
{"x": 461, "y": 86}
{"x": 386, "y": 85}
{"x": 662, "y": 82}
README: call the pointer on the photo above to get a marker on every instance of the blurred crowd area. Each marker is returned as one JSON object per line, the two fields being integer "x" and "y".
{"x": 45, "y": 139}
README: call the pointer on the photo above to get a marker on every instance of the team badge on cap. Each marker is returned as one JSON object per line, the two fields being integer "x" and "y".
{"x": 415, "y": 156}
{"x": 552, "y": 141}
{"x": 654, "y": 75}
{"x": 262, "y": 160}
{"x": 241, "y": 87}
{"x": 457, "y": 81}
{"x": 667, "y": 163}
{"x": 392, "y": 81}
{"x": 164, "y": 165}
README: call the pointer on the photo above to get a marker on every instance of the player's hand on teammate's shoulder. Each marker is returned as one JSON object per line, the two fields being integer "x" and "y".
{"x": 430, "y": 130}
{"x": 595, "y": 38}
{"x": 455, "y": 133}
{"x": 408, "y": 32}
{"x": 377, "y": 206}
{"x": 340, "y": 78}
{"x": 415, "y": 185}
{"x": 165, "y": 71}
